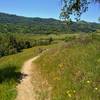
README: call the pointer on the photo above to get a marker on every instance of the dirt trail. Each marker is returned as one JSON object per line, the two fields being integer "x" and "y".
{"x": 32, "y": 85}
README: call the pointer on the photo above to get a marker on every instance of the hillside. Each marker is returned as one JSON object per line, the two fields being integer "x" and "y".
{"x": 69, "y": 70}
{"x": 58, "y": 66}
{"x": 73, "y": 70}
{"x": 19, "y": 24}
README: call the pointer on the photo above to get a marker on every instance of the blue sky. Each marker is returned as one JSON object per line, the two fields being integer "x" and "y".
{"x": 43, "y": 8}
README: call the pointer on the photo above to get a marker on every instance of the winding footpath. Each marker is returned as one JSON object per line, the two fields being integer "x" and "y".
{"x": 26, "y": 89}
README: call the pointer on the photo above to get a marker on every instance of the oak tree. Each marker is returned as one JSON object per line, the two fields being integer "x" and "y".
{"x": 75, "y": 8}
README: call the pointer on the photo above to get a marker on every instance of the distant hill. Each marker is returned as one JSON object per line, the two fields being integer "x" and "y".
{"x": 19, "y": 24}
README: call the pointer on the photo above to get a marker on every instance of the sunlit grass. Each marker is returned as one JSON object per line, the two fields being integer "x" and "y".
{"x": 10, "y": 67}
{"x": 73, "y": 70}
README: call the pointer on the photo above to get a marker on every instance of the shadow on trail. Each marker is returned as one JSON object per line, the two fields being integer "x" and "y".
{"x": 9, "y": 73}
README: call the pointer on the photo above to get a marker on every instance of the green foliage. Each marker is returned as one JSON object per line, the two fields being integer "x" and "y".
{"x": 14, "y": 43}
{"x": 75, "y": 8}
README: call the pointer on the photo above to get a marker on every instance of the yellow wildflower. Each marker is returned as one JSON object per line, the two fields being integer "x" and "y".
{"x": 96, "y": 88}
{"x": 74, "y": 91}
{"x": 88, "y": 81}
{"x": 67, "y": 92}
{"x": 69, "y": 95}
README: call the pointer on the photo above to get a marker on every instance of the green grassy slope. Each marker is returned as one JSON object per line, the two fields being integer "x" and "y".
{"x": 10, "y": 67}
{"x": 73, "y": 70}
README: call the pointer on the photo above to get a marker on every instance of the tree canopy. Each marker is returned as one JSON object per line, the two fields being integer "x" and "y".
{"x": 74, "y": 7}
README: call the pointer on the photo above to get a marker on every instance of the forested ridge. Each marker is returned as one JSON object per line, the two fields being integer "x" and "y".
{"x": 18, "y": 24}
{"x": 15, "y": 31}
